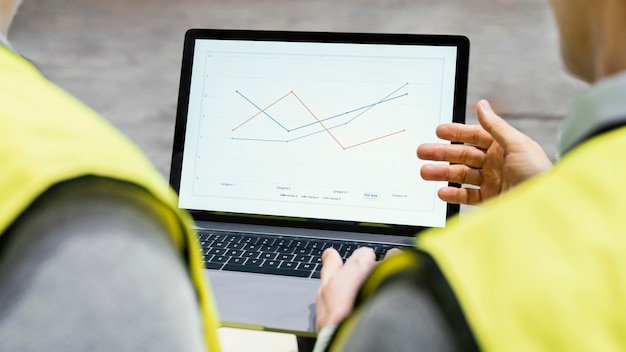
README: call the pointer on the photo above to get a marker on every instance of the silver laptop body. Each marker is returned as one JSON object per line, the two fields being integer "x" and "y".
{"x": 296, "y": 135}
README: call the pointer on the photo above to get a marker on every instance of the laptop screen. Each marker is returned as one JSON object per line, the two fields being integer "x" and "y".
{"x": 315, "y": 126}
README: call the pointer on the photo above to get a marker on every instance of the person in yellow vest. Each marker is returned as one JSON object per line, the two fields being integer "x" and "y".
{"x": 94, "y": 254}
{"x": 542, "y": 266}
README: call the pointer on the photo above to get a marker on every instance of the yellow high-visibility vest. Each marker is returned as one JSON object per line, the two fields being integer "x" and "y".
{"x": 541, "y": 268}
{"x": 48, "y": 137}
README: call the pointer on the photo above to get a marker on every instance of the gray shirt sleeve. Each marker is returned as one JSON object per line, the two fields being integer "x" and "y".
{"x": 90, "y": 268}
{"x": 402, "y": 316}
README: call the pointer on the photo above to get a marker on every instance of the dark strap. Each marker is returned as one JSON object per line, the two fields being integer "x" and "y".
{"x": 448, "y": 302}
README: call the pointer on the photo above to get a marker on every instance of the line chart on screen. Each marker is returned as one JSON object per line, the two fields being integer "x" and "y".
{"x": 303, "y": 122}
{"x": 315, "y": 128}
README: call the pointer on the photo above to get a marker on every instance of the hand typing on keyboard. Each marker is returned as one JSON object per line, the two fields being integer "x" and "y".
{"x": 341, "y": 281}
{"x": 277, "y": 255}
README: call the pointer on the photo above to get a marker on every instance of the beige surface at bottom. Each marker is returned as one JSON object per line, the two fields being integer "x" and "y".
{"x": 240, "y": 340}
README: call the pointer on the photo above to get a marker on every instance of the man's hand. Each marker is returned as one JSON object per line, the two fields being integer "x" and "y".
{"x": 340, "y": 283}
{"x": 494, "y": 156}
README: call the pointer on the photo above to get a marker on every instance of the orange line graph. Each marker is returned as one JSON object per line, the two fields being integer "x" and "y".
{"x": 318, "y": 121}
{"x": 263, "y": 111}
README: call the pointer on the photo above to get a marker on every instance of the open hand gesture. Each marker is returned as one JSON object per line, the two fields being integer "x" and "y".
{"x": 494, "y": 156}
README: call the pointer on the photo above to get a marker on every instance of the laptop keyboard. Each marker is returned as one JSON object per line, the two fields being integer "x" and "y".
{"x": 278, "y": 255}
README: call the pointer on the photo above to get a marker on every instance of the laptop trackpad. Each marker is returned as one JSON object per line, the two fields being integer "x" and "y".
{"x": 274, "y": 302}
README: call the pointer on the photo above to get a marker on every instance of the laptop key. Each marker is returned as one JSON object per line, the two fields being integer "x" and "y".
{"x": 267, "y": 248}
{"x": 286, "y": 272}
{"x": 268, "y": 256}
{"x": 304, "y": 258}
{"x": 307, "y": 266}
{"x": 234, "y": 253}
{"x": 286, "y": 250}
{"x": 237, "y": 260}
{"x": 216, "y": 251}
{"x": 289, "y": 265}
{"x": 334, "y": 244}
{"x": 283, "y": 242}
{"x": 303, "y": 251}
{"x": 252, "y": 247}
{"x": 254, "y": 262}
{"x": 215, "y": 236}
{"x": 214, "y": 266}
{"x": 233, "y": 238}
{"x": 217, "y": 244}
{"x": 286, "y": 257}
{"x": 266, "y": 241}
{"x": 218, "y": 259}
{"x": 383, "y": 251}
{"x": 317, "y": 252}
{"x": 266, "y": 270}
{"x": 236, "y": 245}
{"x": 272, "y": 263}
{"x": 250, "y": 254}
{"x": 350, "y": 247}
{"x": 316, "y": 245}
{"x": 250, "y": 240}
{"x": 300, "y": 244}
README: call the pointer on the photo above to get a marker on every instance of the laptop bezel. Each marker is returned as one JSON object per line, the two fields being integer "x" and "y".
{"x": 459, "y": 111}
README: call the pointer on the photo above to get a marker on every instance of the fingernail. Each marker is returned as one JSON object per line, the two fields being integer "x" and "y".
{"x": 325, "y": 253}
{"x": 485, "y": 105}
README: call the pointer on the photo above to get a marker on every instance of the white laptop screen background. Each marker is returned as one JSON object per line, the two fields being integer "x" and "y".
{"x": 316, "y": 130}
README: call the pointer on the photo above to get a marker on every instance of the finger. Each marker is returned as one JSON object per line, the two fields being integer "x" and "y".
{"x": 361, "y": 255}
{"x": 453, "y": 153}
{"x": 452, "y": 173}
{"x": 471, "y": 134}
{"x": 331, "y": 263}
{"x": 358, "y": 266}
{"x": 506, "y": 135}
{"x": 393, "y": 251}
{"x": 453, "y": 195}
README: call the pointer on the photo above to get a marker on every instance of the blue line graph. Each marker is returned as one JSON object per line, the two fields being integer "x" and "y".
{"x": 359, "y": 111}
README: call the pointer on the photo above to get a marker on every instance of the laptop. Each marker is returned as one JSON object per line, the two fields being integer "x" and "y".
{"x": 287, "y": 143}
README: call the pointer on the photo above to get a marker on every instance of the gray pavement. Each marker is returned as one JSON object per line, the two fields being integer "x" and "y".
{"x": 122, "y": 57}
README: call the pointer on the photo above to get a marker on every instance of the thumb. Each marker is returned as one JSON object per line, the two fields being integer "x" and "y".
{"x": 506, "y": 135}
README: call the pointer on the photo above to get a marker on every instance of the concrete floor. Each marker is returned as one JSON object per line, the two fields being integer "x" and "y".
{"x": 123, "y": 57}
